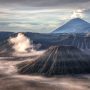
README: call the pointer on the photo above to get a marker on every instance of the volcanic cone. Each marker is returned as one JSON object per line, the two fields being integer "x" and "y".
{"x": 58, "y": 60}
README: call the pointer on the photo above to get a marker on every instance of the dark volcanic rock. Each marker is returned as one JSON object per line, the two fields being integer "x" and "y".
{"x": 58, "y": 60}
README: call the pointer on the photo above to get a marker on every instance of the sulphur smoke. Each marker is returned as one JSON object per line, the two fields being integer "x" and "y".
{"x": 21, "y": 43}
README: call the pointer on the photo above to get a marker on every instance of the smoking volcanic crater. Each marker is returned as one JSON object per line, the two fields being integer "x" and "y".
{"x": 57, "y": 60}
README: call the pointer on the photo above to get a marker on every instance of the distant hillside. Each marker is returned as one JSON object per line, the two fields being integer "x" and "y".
{"x": 80, "y": 40}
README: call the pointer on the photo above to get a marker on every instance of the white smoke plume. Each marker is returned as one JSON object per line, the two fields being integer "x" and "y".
{"x": 21, "y": 43}
{"x": 77, "y": 13}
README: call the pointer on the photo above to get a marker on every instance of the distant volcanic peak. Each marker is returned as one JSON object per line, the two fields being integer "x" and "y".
{"x": 76, "y": 25}
{"x": 78, "y": 19}
{"x": 58, "y": 60}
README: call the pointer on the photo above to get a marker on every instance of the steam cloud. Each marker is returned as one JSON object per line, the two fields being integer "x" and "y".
{"x": 21, "y": 43}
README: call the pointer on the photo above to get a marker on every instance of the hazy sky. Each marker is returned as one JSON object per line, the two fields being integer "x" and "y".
{"x": 40, "y": 15}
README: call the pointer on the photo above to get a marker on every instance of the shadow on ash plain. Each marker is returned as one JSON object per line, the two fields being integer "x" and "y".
{"x": 11, "y": 80}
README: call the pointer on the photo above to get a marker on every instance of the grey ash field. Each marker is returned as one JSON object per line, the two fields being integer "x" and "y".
{"x": 54, "y": 61}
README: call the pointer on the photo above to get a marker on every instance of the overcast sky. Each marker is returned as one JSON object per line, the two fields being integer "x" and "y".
{"x": 40, "y": 15}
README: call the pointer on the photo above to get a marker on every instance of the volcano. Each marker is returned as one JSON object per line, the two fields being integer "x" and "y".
{"x": 76, "y": 25}
{"x": 57, "y": 60}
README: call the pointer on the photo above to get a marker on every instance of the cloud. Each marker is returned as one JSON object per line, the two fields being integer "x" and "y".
{"x": 38, "y": 20}
{"x": 44, "y": 3}
{"x": 77, "y": 13}
{"x": 18, "y": 25}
